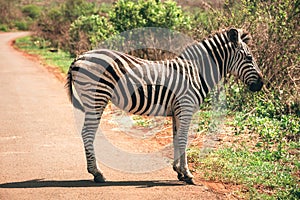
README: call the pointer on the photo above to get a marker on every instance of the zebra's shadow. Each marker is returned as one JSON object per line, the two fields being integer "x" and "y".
{"x": 41, "y": 183}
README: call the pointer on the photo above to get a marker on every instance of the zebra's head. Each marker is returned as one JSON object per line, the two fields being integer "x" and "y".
{"x": 243, "y": 64}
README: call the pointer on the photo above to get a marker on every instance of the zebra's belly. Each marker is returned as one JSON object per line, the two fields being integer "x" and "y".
{"x": 151, "y": 100}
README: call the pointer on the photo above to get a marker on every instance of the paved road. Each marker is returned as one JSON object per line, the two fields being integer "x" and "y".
{"x": 41, "y": 155}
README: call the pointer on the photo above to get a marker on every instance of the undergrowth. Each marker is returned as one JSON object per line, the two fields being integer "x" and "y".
{"x": 261, "y": 154}
{"x": 260, "y": 173}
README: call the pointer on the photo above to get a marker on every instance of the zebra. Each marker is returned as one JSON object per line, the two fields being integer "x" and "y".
{"x": 174, "y": 87}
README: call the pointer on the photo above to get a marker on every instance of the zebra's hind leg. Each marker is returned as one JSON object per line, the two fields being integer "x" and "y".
{"x": 90, "y": 127}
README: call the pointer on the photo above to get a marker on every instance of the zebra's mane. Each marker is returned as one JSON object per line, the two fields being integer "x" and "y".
{"x": 244, "y": 35}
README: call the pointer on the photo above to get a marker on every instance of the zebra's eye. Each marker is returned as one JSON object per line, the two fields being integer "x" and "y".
{"x": 249, "y": 57}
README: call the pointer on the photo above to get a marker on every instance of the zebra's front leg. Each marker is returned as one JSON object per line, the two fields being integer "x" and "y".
{"x": 180, "y": 135}
{"x": 187, "y": 175}
{"x": 89, "y": 130}
{"x": 184, "y": 120}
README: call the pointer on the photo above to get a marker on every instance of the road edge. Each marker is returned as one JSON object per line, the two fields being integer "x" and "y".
{"x": 54, "y": 70}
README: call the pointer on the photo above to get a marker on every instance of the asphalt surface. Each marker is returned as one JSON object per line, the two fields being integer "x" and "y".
{"x": 41, "y": 153}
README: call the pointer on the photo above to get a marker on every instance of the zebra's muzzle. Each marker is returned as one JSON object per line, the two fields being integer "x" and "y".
{"x": 256, "y": 86}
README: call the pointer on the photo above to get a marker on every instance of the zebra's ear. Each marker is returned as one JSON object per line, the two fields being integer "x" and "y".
{"x": 233, "y": 35}
{"x": 246, "y": 37}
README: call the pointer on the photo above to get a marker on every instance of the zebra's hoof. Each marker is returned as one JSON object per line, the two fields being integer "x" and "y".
{"x": 189, "y": 181}
{"x": 180, "y": 177}
{"x": 99, "y": 178}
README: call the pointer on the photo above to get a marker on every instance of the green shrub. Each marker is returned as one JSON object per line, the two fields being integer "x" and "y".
{"x": 55, "y": 23}
{"x": 128, "y": 14}
{"x": 87, "y": 31}
{"x": 22, "y": 25}
{"x": 32, "y": 11}
{"x": 4, "y": 27}
{"x": 72, "y": 9}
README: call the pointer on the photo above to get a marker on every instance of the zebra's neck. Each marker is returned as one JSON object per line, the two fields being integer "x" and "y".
{"x": 211, "y": 58}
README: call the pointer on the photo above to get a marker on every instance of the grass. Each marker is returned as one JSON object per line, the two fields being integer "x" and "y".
{"x": 50, "y": 56}
{"x": 261, "y": 178}
{"x": 262, "y": 155}
{"x": 143, "y": 122}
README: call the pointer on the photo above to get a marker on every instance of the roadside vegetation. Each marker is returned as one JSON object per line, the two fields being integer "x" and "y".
{"x": 260, "y": 149}
{"x": 49, "y": 56}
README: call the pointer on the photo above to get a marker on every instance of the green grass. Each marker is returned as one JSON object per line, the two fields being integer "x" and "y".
{"x": 38, "y": 47}
{"x": 262, "y": 157}
{"x": 143, "y": 122}
{"x": 261, "y": 178}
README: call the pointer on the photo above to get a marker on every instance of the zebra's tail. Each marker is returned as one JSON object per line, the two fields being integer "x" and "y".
{"x": 69, "y": 87}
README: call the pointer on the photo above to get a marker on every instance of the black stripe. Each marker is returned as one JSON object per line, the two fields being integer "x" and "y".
{"x": 175, "y": 88}
{"x": 149, "y": 99}
{"x": 203, "y": 84}
{"x": 142, "y": 98}
{"x": 207, "y": 67}
{"x": 209, "y": 51}
{"x": 162, "y": 94}
{"x": 157, "y": 87}
{"x": 92, "y": 76}
{"x": 169, "y": 101}
{"x": 106, "y": 65}
{"x": 217, "y": 55}
{"x": 133, "y": 95}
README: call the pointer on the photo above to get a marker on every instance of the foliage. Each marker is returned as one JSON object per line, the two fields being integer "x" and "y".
{"x": 128, "y": 14}
{"x": 260, "y": 176}
{"x": 12, "y": 17}
{"x": 38, "y": 46}
{"x": 277, "y": 47}
{"x": 263, "y": 153}
{"x": 275, "y": 34}
{"x": 7, "y": 11}
{"x": 54, "y": 24}
{"x": 21, "y": 25}
{"x": 87, "y": 31}
{"x": 76, "y": 26}
{"x": 276, "y": 130}
{"x": 4, "y": 27}
{"x": 32, "y": 11}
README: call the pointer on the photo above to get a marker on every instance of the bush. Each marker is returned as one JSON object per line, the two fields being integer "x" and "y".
{"x": 128, "y": 15}
{"x": 3, "y": 27}
{"x": 275, "y": 30}
{"x": 22, "y": 25}
{"x": 87, "y": 31}
{"x": 55, "y": 23}
{"x": 31, "y": 11}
